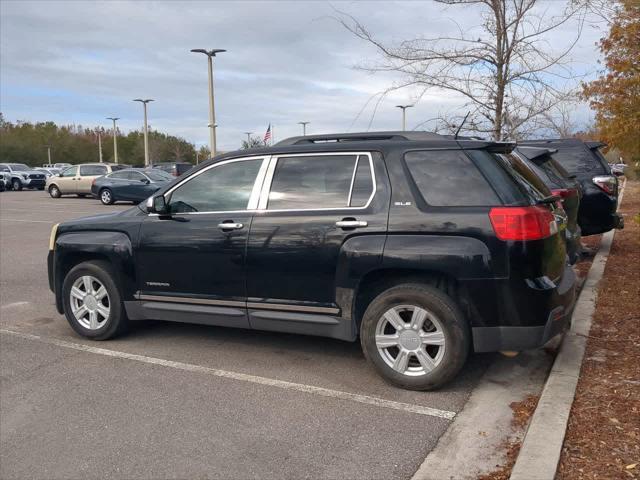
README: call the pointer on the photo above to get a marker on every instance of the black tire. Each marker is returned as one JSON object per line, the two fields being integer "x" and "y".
{"x": 16, "y": 185}
{"x": 117, "y": 321}
{"x": 54, "y": 191}
{"x": 41, "y": 188}
{"x": 106, "y": 196}
{"x": 452, "y": 323}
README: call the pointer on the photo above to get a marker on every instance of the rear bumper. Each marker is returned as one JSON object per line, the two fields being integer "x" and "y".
{"x": 537, "y": 315}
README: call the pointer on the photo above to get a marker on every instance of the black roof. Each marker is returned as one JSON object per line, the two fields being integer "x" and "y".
{"x": 369, "y": 141}
{"x": 563, "y": 141}
{"x": 535, "y": 153}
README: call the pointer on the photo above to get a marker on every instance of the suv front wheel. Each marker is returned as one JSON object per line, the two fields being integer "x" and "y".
{"x": 416, "y": 336}
{"x": 92, "y": 302}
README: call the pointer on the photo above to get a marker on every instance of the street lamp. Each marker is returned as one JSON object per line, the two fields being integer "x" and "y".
{"x": 99, "y": 146}
{"x": 146, "y": 130}
{"x": 404, "y": 115}
{"x": 304, "y": 127}
{"x": 212, "y": 112}
{"x": 248, "y": 134}
{"x": 115, "y": 138}
{"x": 48, "y": 147}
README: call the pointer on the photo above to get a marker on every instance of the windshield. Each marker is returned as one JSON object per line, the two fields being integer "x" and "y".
{"x": 18, "y": 166}
{"x": 158, "y": 175}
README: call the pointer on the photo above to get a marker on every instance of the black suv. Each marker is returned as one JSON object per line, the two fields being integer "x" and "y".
{"x": 561, "y": 183}
{"x": 599, "y": 203}
{"x": 424, "y": 247}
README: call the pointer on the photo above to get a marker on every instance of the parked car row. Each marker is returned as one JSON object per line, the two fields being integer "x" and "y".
{"x": 424, "y": 247}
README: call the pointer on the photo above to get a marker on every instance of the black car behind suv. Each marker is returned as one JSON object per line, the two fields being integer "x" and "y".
{"x": 422, "y": 246}
{"x": 599, "y": 203}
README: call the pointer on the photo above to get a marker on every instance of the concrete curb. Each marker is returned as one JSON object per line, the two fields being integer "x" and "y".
{"x": 540, "y": 453}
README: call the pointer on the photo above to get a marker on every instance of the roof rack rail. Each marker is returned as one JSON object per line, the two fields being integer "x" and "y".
{"x": 361, "y": 137}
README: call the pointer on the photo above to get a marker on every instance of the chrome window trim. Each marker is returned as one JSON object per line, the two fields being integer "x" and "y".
{"x": 255, "y": 191}
{"x": 353, "y": 179}
{"x": 266, "y": 188}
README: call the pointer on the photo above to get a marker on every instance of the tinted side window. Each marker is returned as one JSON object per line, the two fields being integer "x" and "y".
{"x": 70, "y": 172}
{"x": 310, "y": 182}
{"x": 223, "y": 188}
{"x": 578, "y": 160}
{"x": 92, "y": 170}
{"x": 136, "y": 176}
{"x": 449, "y": 178}
{"x": 119, "y": 176}
{"x": 528, "y": 176}
{"x": 362, "y": 183}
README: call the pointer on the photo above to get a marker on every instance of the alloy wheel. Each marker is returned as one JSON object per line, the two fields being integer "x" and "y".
{"x": 410, "y": 339}
{"x": 90, "y": 302}
{"x": 105, "y": 196}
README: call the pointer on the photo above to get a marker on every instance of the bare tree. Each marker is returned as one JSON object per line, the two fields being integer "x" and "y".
{"x": 507, "y": 72}
{"x": 253, "y": 142}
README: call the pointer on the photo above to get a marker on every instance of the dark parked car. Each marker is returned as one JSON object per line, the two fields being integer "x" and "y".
{"x": 561, "y": 184}
{"x": 128, "y": 185}
{"x": 599, "y": 202}
{"x": 174, "y": 168}
{"x": 422, "y": 247}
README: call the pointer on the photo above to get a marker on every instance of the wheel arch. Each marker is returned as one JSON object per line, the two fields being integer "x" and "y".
{"x": 112, "y": 247}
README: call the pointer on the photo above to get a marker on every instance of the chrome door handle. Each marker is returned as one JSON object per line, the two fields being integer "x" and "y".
{"x": 230, "y": 226}
{"x": 351, "y": 224}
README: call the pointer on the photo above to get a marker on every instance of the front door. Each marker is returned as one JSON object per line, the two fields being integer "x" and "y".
{"x": 195, "y": 255}
{"x": 67, "y": 182}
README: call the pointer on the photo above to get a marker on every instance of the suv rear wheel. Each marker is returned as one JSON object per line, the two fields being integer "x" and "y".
{"x": 92, "y": 302}
{"x": 416, "y": 336}
{"x": 16, "y": 185}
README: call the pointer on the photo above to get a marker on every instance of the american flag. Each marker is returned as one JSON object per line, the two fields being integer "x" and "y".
{"x": 267, "y": 135}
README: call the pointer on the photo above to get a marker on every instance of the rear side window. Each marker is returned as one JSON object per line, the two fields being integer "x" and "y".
{"x": 448, "y": 178}
{"x": 311, "y": 182}
{"x": 528, "y": 177}
{"x": 578, "y": 160}
{"x": 70, "y": 172}
{"x": 92, "y": 170}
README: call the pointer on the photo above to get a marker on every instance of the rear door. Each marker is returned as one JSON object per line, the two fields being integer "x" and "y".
{"x": 310, "y": 205}
{"x": 87, "y": 174}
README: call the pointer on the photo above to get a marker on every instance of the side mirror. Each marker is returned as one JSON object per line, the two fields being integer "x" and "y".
{"x": 159, "y": 205}
{"x": 59, "y": 174}
{"x": 145, "y": 181}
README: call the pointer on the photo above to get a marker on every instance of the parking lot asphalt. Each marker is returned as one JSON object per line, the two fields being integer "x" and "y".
{"x": 184, "y": 401}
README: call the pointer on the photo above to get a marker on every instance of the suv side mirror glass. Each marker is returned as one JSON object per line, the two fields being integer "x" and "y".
{"x": 144, "y": 180}
{"x": 159, "y": 205}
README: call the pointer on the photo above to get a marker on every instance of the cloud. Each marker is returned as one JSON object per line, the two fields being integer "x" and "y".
{"x": 78, "y": 62}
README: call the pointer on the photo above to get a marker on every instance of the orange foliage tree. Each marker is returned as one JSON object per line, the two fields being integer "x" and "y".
{"x": 615, "y": 96}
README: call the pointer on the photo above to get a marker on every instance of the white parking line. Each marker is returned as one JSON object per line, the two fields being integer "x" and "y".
{"x": 299, "y": 387}
{"x": 14, "y": 304}
{"x": 26, "y": 221}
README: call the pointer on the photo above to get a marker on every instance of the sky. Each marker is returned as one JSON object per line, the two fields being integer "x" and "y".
{"x": 287, "y": 61}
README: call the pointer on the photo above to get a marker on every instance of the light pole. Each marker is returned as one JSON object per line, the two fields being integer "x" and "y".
{"x": 146, "y": 130}
{"x": 115, "y": 138}
{"x": 48, "y": 147}
{"x": 404, "y": 115}
{"x": 304, "y": 127}
{"x": 212, "y": 111}
{"x": 100, "y": 146}
{"x": 248, "y": 134}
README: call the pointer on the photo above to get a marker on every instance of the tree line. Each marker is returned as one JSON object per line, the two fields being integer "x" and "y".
{"x": 26, "y": 142}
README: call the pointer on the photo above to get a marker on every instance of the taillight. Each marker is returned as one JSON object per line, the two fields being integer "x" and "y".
{"x": 174, "y": 173}
{"x": 564, "y": 192}
{"x": 607, "y": 183}
{"x": 523, "y": 223}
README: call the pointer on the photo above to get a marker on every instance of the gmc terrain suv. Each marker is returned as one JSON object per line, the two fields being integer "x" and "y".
{"x": 599, "y": 203}
{"x": 423, "y": 247}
